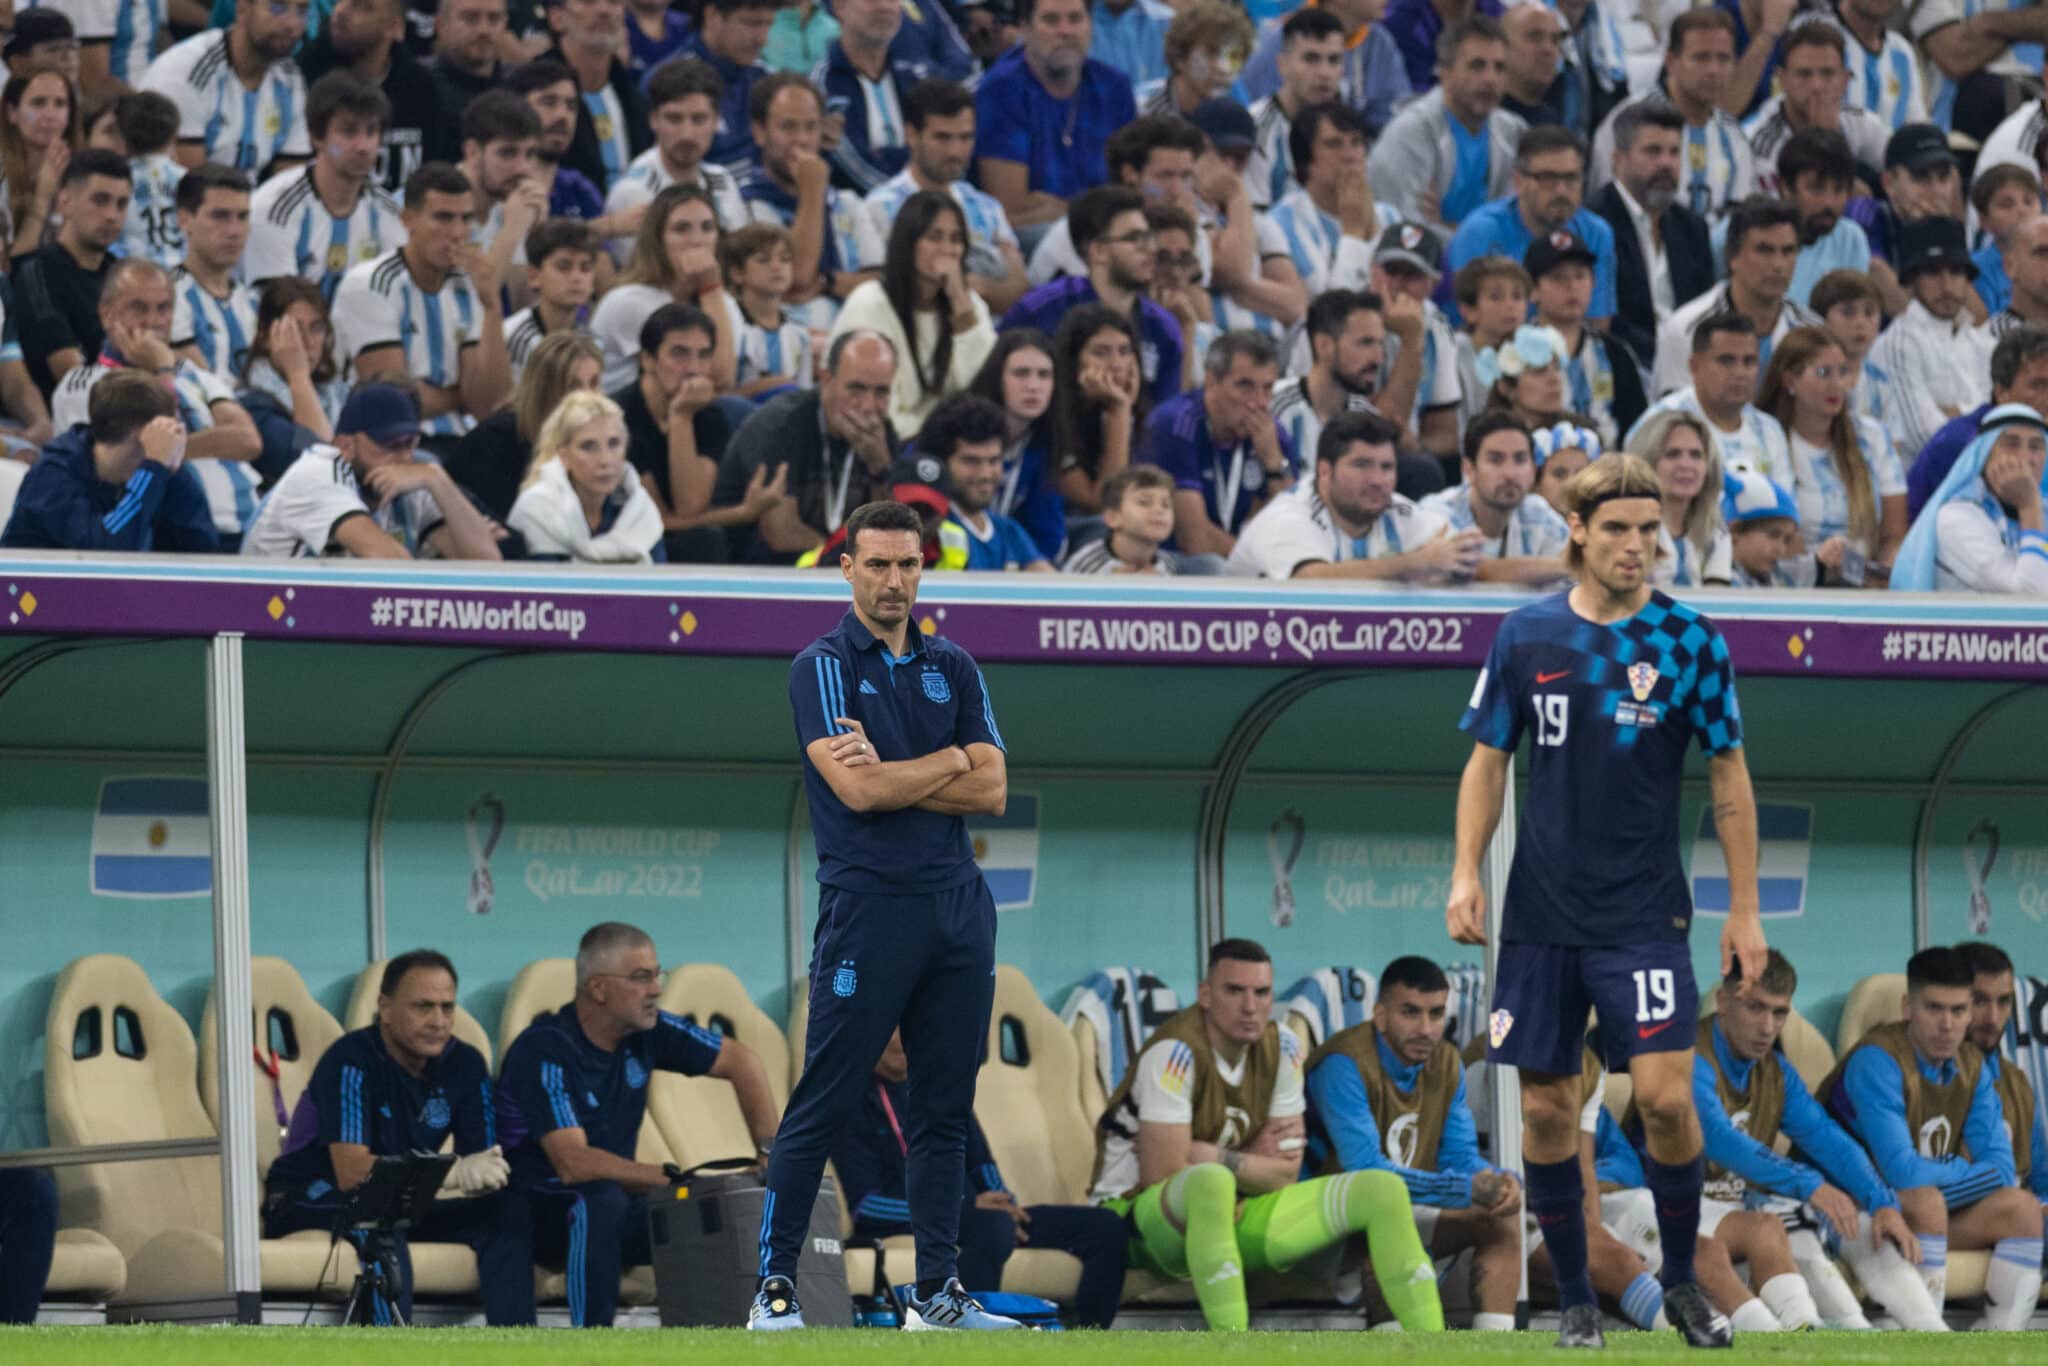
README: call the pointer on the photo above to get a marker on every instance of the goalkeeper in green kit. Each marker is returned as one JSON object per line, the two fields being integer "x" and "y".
{"x": 1201, "y": 1148}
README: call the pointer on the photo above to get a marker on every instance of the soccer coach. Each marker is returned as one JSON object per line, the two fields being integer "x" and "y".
{"x": 900, "y": 743}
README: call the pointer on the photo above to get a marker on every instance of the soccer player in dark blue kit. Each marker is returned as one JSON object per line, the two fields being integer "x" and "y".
{"x": 1613, "y": 680}
{"x": 401, "y": 1085}
{"x": 900, "y": 742}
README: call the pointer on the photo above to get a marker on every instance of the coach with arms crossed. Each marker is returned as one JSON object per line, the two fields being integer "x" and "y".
{"x": 900, "y": 743}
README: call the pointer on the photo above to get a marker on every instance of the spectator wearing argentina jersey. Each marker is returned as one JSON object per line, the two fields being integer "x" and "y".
{"x": 214, "y": 314}
{"x": 367, "y": 38}
{"x": 868, "y": 73}
{"x": 291, "y": 363}
{"x": 1329, "y": 221}
{"x": 1981, "y": 53}
{"x": 430, "y": 309}
{"x": 1524, "y": 538}
{"x": 1717, "y": 167}
{"x": 836, "y": 246}
{"x": 1850, "y": 308}
{"x": 116, "y": 40}
{"x": 39, "y": 127}
{"x": 511, "y": 192}
{"x": 148, "y": 124}
{"x": 1603, "y": 379}
{"x": 1884, "y": 71}
{"x": 1408, "y": 264}
{"x": 938, "y": 129}
{"x": 729, "y": 39}
{"x": 611, "y": 114}
{"x": 1813, "y": 92}
{"x": 1723, "y": 368}
{"x": 1349, "y": 372}
{"x": 771, "y": 347}
{"x": 135, "y": 313}
{"x": 241, "y": 100}
{"x": 317, "y": 221}
{"x": 684, "y": 95}
{"x": 1311, "y": 72}
{"x": 561, "y": 274}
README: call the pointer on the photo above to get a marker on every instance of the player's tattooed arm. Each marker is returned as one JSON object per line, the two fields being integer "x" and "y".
{"x": 1742, "y": 934}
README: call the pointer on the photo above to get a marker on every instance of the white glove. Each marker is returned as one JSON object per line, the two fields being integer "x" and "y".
{"x": 478, "y": 1173}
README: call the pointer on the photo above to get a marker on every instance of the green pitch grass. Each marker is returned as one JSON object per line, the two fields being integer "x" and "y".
{"x": 731, "y": 1347}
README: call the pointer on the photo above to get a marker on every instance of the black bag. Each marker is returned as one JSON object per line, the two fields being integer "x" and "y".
{"x": 705, "y": 1233}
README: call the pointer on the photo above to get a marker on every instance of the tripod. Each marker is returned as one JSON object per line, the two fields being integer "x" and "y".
{"x": 400, "y": 1189}
{"x": 377, "y": 1278}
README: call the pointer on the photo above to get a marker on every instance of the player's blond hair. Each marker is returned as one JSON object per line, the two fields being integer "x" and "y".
{"x": 1609, "y": 477}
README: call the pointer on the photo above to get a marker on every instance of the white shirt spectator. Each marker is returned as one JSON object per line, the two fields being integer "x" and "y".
{"x": 2017, "y": 141}
{"x": 1769, "y": 130}
{"x": 1325, "y": 256}
{"x": 1681, "y": 565}
{"x": 1716, "y": 165}
{"x": 988, "y": 227}
{"x": 1674, "y": 338}
{"x": 1930, "y": 365}
{"x": 1663, "y": 294}
{"x": 130, "y": 28}
{"x": 239, "y": 127}
{"x": 1295, "y": 529}
{"x": 1269, "y": 172}
{"x": 1885, "y": 82}
{"x": 380, "y": 304}
{"x": 230, "y": 484}
{"x": 645, "y": 177}
{"x": 1534, "y": 529}
{"x": 153, "y": 232}
{"x": 549, "y": 513}
{"x": 292, "y": 233}
{"x": 1756, "y": 445}
{"x": 616, "y": 324}
{"x": 221, "y": 329}
{"x": 1297, "y": 416}
{"x": 1417, "y": 153}
{"x": 1160, "y": 1094}
{"x": 316, "y": 495}
{"x": 1979, "y": 549}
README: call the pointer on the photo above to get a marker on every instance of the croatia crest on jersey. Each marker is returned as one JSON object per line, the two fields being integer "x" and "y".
{"x": 1642, "y": 679}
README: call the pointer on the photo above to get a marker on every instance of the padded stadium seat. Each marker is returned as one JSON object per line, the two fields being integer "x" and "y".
{"x": 1807, "y": 1049}
{"x": 543, "y": 986}
{"x": 118, "y": 1067}
{"x": 362, "y": 1010}
{"x": 85, "y": 1266}
{"x": 292, "y": 1030}
{"x": 699, "y": 1117}
{"x": 1872, "y": 1002}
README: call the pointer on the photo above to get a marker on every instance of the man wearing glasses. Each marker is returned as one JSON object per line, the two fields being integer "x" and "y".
{"x": 366, "y": 495}
{"x": 1550, "y": 184}
{"x": 571, "y": 1097}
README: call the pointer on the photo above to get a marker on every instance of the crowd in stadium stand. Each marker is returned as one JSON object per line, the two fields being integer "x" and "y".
{"x": 1345, "y": 290}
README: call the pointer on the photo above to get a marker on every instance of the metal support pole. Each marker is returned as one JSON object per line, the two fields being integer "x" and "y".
{"x": 227, "y": 779}
{"x": 1505, "y": 1081}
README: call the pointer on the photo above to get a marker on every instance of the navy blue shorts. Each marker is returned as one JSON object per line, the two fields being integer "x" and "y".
{"x": 1643, "y": 993}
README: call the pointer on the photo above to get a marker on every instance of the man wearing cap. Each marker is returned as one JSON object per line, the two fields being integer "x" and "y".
{"x": 43, "y": 40}
{"x": 1375, "y": 80}
{"x": 1408, "y": 263}
{"x": 368, "y": 495}
{"x": 1550, "y": 177}
{"x": 1922, "y": 179}
{"x": 938, "y": 129}
{"x": 1603, "y": 378}
{"x": 1936, "y": 361}
{"x": 1663, "y": 255}
{"x": 1763, "y": 251}
{"x": 1813, "y": 93}
{"x": 1450, "y": 151}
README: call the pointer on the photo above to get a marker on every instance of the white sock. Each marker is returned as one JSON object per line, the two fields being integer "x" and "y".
{"x": 1895, "y": 1283}
{"x": 1934, "y": 1268}
{"x": 2013, "y": 1284}
{"x": 1837, "y": 1303}
{"x": 1754, "y": 1316}
{"x": 1493, "y": 1323}
{"x": 1790, "y": 1300}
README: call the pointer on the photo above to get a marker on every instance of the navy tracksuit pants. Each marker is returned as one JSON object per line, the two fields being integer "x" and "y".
{"x": 924, "y": 962}
{"x": 28, "y": 1239}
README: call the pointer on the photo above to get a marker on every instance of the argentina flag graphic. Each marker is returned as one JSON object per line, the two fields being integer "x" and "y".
{"x": 1784, "y": 851}
{"x": 152, "y": 838}
{"x": 1006, "y": 847}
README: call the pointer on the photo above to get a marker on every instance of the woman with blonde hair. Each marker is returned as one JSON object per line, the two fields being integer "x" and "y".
{"x": 38, "y": 133}
{"x": 1692, "y": 543}
{"x": 1846, "y": 476}
{"x": 674, "y": 260}
{"x": 493, "y": 459}
{"x": 581, "y": 499}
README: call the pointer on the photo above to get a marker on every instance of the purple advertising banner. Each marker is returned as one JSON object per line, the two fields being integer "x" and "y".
{"x": 999, "y": 618}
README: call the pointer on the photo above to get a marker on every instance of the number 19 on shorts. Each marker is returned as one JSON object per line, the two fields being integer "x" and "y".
{"x": 1656, "y": 995}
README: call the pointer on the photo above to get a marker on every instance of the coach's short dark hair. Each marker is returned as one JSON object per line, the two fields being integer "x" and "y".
{"x": 883, "y": 515}
{"x": 499, "y": 116}
{"x": 1414, "y": 972}
{"x": 1984, "y": 960}
{"x": 1714, "y": 324}
{"x": 395, "y": 970}
{"x": 962, "y": 419}
{"x": 93, "y": 161}
{"x": 1237, "y": 951}
{"x": 1485, "y": 425}
{"x": 344, "y": 92}
{"x": 436, "y": 177}
{"x": 122, "y": 403}
{"x": 936, "y": 98}
{"x": 1938, "y": 967}
{"x": 1778, "y": 977}
{"x": 191, "y": 192}
{"x": 1353, "y": 429}
{"x": 678, "y": 78}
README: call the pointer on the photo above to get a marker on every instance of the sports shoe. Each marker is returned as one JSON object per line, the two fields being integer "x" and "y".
{"x": 1581, "y": 1327}
{"x": 1698, "y": 1322}
{"x": 775, "y": 1307}
{"x": 952, "y": 1308}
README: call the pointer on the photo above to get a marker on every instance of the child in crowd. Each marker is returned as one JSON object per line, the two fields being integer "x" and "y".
{"x": 2004, "y": 196}
{"x": 148, "y": 124}
{"x": 1851, "y": 309}
{"x": 1562, "y": 451}
{"x": 561, "y": 270}
{"x": 1493, "y": 297}
{"x": 1763, "y": 533}
{"x": 772, "y": 345}
{"x": 1137, "y": 507}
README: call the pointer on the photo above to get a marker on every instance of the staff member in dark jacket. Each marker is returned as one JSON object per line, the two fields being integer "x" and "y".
{"x": 1662, "y": 256}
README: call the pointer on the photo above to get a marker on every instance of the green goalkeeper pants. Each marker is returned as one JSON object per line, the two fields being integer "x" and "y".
{"x": 1191, "y": 1227}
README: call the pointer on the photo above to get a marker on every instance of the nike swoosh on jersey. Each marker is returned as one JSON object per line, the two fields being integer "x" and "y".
{"x": 1653, "y": 1030}
{"x": 1542, "y": 678}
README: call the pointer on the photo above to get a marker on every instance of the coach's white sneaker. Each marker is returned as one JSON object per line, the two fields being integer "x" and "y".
{"x": 952, "y": 1308}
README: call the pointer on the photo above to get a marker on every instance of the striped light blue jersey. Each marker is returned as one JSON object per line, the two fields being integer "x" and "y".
{"x": 1534, "y": 529}
{"x": 153, "y": 233}
{"x": 1269, "y": 243}
{"x": 219, "y": 328}
{"x": 131, "y": 30}
{"x": 1823, "y": 495}
{"x": 2019, "y": 59}
{"x": 988, "y": 227}
{"x": 1269, "y": 173}
{"x": 1323, "y": 254}
{"x": 765, "y": 351}
{"x": 239, "y": 127}
{"x": 1887, "y": 81}
{"x": 608, "y": 121}
{"x": 381, "y": 304}
{"x": 645, "y": 177}
{"x": 291, "y": 232}
{"x": 230, "y": 484}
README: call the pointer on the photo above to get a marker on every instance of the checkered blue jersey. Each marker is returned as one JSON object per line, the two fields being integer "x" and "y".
{"x": 1611, "y": 709}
